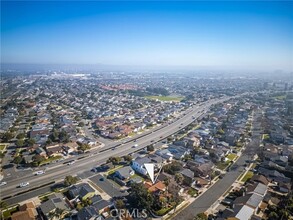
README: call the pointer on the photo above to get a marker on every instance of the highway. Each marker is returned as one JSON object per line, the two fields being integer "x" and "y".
{"x": 57, "y": 172}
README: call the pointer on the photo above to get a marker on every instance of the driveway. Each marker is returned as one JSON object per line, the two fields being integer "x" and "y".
{"x": 107, "y": 186}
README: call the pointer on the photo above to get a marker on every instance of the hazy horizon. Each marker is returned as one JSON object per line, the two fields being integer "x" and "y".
{"x": 238, "y": 36}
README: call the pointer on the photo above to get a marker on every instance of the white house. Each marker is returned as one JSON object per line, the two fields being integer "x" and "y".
{"x": 138, "y": 165}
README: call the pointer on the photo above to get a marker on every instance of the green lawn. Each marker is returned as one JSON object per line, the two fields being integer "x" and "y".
{"x": 7, "y": 213}
{"x": 114, "y": 169}
{"x": 280, "y": 97}
{"x": 163, "y": 211}
{"x": 247, "y": 176}
{"x": 2, "y": 147}
{"x": 192, "y": 192}
{"x": 265, "y": 136}
{"x": 222, "y": 165}
{"x": 50, "y": 159}
{"x": 231, "y": 156}
{"x": 165, "y": 98}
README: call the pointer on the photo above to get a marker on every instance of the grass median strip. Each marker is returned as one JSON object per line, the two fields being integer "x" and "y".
{"x": 247, "y": 176}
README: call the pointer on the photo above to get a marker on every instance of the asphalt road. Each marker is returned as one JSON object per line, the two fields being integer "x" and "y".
{"x": 57, "y": 172}
{"x": 208, "y": 198}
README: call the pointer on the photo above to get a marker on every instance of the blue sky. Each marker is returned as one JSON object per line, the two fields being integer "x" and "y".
{"x": 227, "y": 34}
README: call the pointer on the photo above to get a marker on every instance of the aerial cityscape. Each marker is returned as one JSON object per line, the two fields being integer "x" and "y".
{"x": 146, "y": 110}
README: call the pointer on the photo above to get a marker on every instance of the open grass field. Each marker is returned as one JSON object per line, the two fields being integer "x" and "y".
{"x": 165, "y": 98}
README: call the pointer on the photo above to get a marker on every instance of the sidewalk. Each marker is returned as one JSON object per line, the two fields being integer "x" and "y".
{"x": 189, "y": 201}
{"x": 237, "y": 184}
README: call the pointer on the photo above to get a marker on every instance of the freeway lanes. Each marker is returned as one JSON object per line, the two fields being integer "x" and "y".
{"x": 58, "y": 172}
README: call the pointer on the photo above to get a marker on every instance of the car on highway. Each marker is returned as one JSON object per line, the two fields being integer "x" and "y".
{"x": 3, "y": 183}
{"x": 24, "y": 184}
{"x": 71, "y": 162}
{"x": 134, "y": 146}
{"x": 40, "y": 172}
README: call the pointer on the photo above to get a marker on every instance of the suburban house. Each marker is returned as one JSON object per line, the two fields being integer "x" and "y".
{"x": 82, "y": 191}
{"x": 188, "y": 177}
{"x": 54, "y": 149}
{"x": 138, "y": 165}
{"x": 26, "y": 212}
{"x": 203, "y": 170}
{"x": 89, "y": 213}
{"x": 99, "y": 204}
{"x": 165, "y": 153}
{"x": 157, "y": 187}
{"x": 124, "y": 173}
{"x": 52, "y": 204}
{"x": 40, "y": 151}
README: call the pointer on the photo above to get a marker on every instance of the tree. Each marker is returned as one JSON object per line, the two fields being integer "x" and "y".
{"x": 63, "y": 136}
{"x": 114, "y": 160}
{"x": 19, "y": 142}
{"x": 176, "y": 199}
{"x": 20, "y": 136}
{"x": 70, "y": 180}
{"x": 7, "y": 136}
{"x": 49, "y": 141}
{"x": 31, "y": 142}
{"x": 80, "y": 124}
{"x": 128, "y": 158}
{"x": 201, "y": 216}
{"x": 54, "y": 136}
{"x": 150, "y": 148}
{"x": 83, "y": 147}
{"x": 187, "y": 157}
{"x": 140, "y": 197}
{"x": 38, "y": 159}
{"x": 3, "y": 205}
{"x": 120, "y": 204}
{"x": 179, "y": 178}
{"x": 17, "y": 160}
{"x": 173, "y": 167}
{"x": 273, "y": 215}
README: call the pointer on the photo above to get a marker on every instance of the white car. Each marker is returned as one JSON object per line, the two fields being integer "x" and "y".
{"x": 70, "y": 163}
{"x": 24, "y": 184}
{"x": 3, "y": 183}
{"x": 40, "y": 172}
